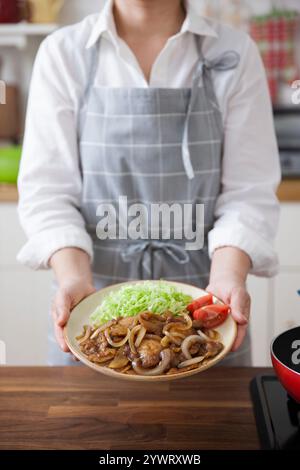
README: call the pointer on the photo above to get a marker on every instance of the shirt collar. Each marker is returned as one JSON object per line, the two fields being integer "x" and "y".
{"x": 194, "y": 23}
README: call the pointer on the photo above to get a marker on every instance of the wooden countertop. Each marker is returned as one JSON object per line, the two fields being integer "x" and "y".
{"x": 77, "y": 408}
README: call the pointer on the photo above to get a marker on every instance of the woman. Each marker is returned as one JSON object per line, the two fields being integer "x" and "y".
{"x": 151, "y": 101}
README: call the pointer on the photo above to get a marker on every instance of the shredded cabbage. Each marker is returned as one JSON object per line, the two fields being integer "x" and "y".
{"x": 132, "y": 299}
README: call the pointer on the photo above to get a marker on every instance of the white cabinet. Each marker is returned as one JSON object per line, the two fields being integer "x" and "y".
{"x": 286, "y": 301}
{"x": 288, "y": 239}
{"x": 261, "y": 314}
{"x": 24, "y": 307}
{"x": 24, "y": 297}
{"x": 11, "y": 236}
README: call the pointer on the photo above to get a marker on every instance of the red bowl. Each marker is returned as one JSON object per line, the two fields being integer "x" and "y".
{"x": 285, "y": 353}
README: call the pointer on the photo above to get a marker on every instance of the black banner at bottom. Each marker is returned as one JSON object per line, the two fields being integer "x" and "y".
{"x": 136, "y": 459}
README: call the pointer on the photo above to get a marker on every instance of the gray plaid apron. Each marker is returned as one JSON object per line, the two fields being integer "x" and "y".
{"x": 152, "y": 145}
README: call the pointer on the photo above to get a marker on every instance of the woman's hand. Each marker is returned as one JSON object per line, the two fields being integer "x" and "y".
{"x": 229, "y": 270}
{"x": 235, "y": 294}
{"x": 66, "y": 298}
{"x": 72, "y": 268}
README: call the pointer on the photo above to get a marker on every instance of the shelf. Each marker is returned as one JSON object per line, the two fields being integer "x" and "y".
{"x": 27, "y": 29}
{"x": 286, "y": 110}
{"x": 289, "y": 191}
{"x": 8, "y": 193}
{"x": 17, "y": 34}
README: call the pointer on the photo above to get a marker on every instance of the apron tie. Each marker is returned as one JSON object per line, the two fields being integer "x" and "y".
{"x": 226, "y": 61}
{"x": 146, "y": 248}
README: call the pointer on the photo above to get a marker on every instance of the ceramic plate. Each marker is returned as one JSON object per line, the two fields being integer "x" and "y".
{"x": 80, "y": 317}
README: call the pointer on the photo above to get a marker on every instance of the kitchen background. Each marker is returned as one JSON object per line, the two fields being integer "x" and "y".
{"x": 25, "y": 295}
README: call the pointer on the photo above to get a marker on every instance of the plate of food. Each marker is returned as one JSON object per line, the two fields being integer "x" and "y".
{"x": 150, "y": 330}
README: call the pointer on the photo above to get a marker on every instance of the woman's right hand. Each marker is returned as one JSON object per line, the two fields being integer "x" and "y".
{"x": 69, "y": 294}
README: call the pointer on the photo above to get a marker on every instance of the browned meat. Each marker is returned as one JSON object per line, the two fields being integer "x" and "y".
{"x": 197, "y": 324}
{"x": 98, "y": 346}
{"x": 118, "y": 331}
{"x": 128, "y": 353}
{"x": 167, "y": 316}
{"x": 127, "y": 322}
{"x": 149, "y": 352}
{"x": 189, "y": 332}
{"x": 152, "y": 322}
{"x": 213, "y": 348}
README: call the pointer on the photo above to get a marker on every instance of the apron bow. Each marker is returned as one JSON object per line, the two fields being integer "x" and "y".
{"x": 146, "y": 248}
{"x": 175, "y": 251}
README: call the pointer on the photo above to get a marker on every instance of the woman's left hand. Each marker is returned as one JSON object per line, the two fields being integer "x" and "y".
{"x": 235, "y": 294}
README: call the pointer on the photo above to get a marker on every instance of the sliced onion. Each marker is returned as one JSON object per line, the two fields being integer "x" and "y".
{"x": 125, "y": 369}
{"x": 165, "y": 341}
{"x": 152, "y": 327}
{"x": 214, "y": 335}
{"x": 119, "y": 343}
{"x": 120, "y": 360}
{"x": 173, "y": 338}
{"x": 178, "y": 334}
{"x": 179, "y": 325}
{"x": 132, "y": 334}
{"x": 101, "y": 360}
{"x": 86, "y": 336}
{"x": 189, "y": 322}
{"x": 170, "y": 325}
{"x": 140, "y": 336}
{"x": 187, "y": 342}
{"x": 190, "y": 362}
{"x": 159, "y": 369}
{"x": 106, "y": 325}
{"x": 203, "y": 335}
{"x": 95, "y": 334}
{"x": 82, "y": 334}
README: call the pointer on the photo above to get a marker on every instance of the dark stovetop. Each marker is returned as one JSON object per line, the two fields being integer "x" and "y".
{"x": 277, "y": 415}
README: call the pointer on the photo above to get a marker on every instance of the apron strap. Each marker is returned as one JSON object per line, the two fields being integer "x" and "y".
{"x": 146, "y": 248}
{"x": 226, "y": 61}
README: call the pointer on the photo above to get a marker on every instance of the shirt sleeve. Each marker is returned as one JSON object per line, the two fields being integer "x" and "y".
{"x": 50, "y": 183}
{"x": 247, "y": 209}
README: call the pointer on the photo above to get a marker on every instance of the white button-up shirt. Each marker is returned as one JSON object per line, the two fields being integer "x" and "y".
{"x": 50, "y": 182}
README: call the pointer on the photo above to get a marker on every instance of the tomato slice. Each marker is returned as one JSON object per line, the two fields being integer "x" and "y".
{"x": 212, "y": 316}
{"x": 200, "y": 302}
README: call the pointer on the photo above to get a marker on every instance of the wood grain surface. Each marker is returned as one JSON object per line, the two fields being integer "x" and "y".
{"x": 77, "y": 408}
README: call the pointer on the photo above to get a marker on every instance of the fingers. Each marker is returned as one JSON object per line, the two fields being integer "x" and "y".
{"x": 60, "y": 313}
{"x": 241, "y": 333}
{"x": 63, "y": 307}
{"x": 60, "y": 338}
{"x": 240, "y": 308}
{"x": 240, "y": 305}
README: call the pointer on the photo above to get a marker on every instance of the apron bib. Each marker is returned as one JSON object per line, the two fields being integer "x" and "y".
{"x": 152, "y": 145}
